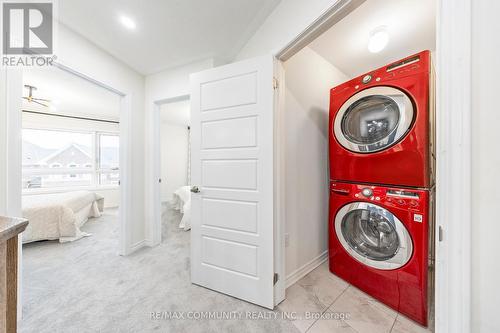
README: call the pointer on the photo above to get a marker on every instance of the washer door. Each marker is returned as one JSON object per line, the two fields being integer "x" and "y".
{"x": 373, "y": 119}
{"x": 373, "y": 235}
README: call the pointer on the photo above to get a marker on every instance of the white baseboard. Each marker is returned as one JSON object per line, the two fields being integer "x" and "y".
{"x": 306, "y": 269}
{"x": 137, "y": 246}
{"x": 150, "y": 243}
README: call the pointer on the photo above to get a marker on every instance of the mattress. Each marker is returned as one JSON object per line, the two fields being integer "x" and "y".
{"x": 59, "y": 215}
{"x": 182, "y": 202}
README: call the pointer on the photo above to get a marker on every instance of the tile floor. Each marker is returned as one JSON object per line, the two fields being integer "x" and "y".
{"x": 84, "y": 286}
{"x": 344, "y": 308}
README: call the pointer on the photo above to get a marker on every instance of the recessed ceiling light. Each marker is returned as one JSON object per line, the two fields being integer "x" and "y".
{"x": 127, "y": 22}
{"x": 379, "y": 38}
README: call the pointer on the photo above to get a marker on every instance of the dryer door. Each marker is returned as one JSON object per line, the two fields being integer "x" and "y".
{"x": 373, "y": 235}
{"x": 373, "y": 119}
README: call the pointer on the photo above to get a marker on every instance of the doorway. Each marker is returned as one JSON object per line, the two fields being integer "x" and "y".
{"x": 325, "y": 62}
{"x": 71, "y": 190}
{"x": 172, "y": 164}
{"x": 14, "y": 119}
{"x": 331, "y": 56}
{"x": 83, "y": 125}
{"x": 175, "y": 121}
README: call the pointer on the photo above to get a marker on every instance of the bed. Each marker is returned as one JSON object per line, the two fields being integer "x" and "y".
{"x": 59, "y": 216}
{"x": 182, "y": 202}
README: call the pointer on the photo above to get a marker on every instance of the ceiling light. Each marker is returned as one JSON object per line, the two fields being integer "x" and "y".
{"x": 379, "y": 38}
{"x": 127, "y": 22}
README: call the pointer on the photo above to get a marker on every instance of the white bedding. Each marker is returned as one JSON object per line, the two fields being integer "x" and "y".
{"x": 59, "y": 215}
{"x": 182, "y": 202}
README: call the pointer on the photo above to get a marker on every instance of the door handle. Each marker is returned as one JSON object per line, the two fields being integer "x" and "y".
{"x": 195, "y": 189}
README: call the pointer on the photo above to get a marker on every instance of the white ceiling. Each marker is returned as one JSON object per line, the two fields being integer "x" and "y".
{"x": 69, "y": 94}
{"x": 169, "y": 33}
{"x": 411, "y": 28}
{"x": 176, "y": 113}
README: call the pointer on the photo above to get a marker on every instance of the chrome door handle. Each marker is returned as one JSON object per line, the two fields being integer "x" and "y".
{"x": 195, "y": 189}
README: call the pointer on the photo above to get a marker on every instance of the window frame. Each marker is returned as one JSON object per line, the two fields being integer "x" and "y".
{"x": 100, "y": 170}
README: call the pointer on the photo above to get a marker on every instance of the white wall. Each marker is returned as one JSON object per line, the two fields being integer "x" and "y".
{"x": 485, "y": 167}
{"x": 81, "y": 55}
{"x": 174, "y": 158}
{"x": 309, "y": 77}
{"x": 288, "y": 19}
{"x": 167, "y": 84}
{"x": 172, "y": 82}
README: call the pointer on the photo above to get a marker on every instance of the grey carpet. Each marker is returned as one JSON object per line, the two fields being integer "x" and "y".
{"x": 85, "y": 286}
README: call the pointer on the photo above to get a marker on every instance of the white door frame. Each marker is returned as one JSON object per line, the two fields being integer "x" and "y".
{"x": 279, "y": 184}
{"x": 12, "y": 86}
{"x": 13, "y": 78}
{"x": 453, "y": 131}
{"x": 454, "y": 177}
{"x": 155, "y": 226}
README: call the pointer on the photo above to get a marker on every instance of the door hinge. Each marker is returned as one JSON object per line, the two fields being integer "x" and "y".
{"x": 275, "y": 83}
{"x": 275, "y": 278}
{"x": 440, "y": 234}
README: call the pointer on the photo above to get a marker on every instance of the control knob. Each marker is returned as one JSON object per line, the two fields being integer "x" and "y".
{"x": 367, "y": 192}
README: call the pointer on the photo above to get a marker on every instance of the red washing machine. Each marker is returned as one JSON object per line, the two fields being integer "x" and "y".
{"x": 380, "y": 130}
{"x": 378, "y": 242}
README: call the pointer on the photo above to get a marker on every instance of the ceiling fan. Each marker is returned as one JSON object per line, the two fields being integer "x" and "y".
{"x": 32, "y": 99}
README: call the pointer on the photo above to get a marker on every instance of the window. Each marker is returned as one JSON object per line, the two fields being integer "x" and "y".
{"x": 55, "y": 158}
{"x": 109, "y": 159}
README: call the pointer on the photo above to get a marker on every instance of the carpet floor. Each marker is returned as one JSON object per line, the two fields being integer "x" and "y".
{"x": 84, "y": 286}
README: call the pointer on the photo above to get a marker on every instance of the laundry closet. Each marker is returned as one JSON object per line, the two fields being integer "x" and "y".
{"x": 375, "y": 35}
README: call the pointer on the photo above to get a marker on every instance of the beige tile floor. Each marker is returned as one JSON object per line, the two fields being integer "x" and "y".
{"x": 323, "y": 294}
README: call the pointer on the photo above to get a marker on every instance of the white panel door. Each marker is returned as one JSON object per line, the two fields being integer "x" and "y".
{"x": 232, "y": 121}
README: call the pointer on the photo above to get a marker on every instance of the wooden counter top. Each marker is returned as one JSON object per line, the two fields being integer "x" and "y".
{"x": 10, "y": 227}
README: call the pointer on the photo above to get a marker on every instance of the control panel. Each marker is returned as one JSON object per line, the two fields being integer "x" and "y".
{"x": 408, "y": 66}
{"x": 396, "y": 197}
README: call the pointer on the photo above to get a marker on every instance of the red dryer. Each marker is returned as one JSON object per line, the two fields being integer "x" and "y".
{"x": 379, "y": 126}
{"x": 378, "y": 241}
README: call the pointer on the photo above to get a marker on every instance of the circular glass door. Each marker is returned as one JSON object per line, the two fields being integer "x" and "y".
{"x": 373, "y": 235}
{"x": 373, "y": 119}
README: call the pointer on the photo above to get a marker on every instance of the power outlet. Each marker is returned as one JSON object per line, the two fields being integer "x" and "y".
{"x": 287, "y": 240}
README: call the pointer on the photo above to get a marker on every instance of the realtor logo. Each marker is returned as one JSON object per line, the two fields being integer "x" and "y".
{"x": 27, "y": 28}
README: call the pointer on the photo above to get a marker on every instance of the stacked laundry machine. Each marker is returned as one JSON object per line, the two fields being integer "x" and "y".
{"x": 381, "y": 183}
